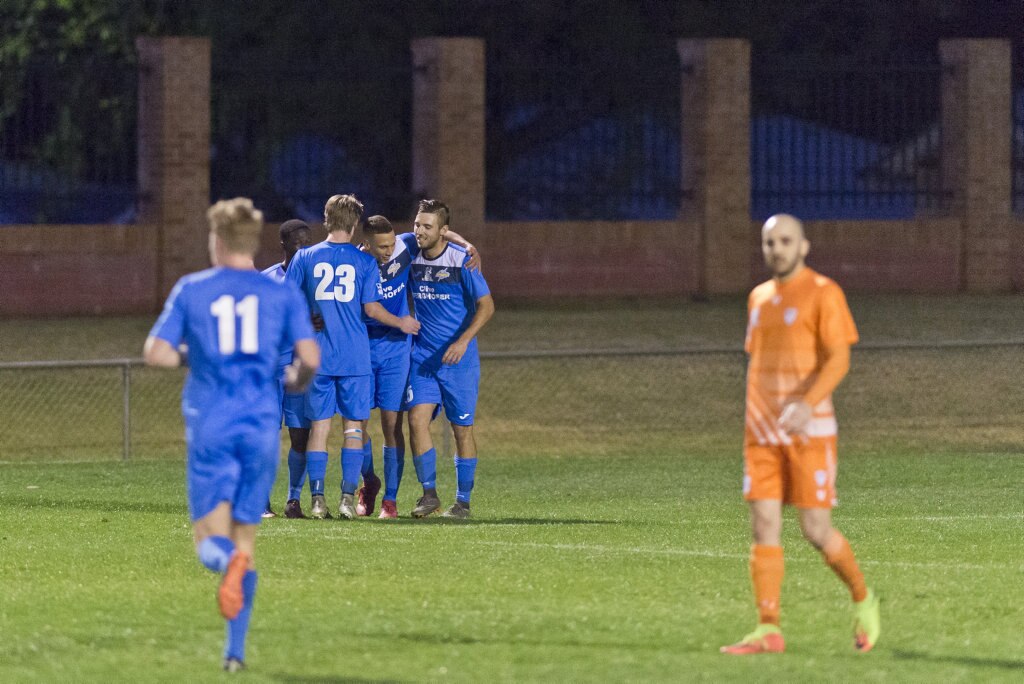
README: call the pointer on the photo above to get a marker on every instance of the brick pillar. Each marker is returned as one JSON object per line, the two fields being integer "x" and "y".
{"x": 448, "y": 128}
{"x": 174, "y": 151}
{"x": 716, "y": 159}
{"x": 976, "y": 144}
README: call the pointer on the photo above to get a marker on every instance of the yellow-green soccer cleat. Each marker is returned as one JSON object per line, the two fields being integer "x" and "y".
{"x": 767, "y": 638}
{"x": 867, "y": 624}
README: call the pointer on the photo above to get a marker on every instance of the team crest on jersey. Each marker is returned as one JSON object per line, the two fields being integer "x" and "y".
{"x": 428, "y": 274}
{"x": 394, "y": 268}
{"x": 789, "y": 315}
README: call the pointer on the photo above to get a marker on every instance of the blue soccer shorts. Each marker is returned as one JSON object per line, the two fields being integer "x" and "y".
{"x": 390, "y": 379}
{"x": 293, "y": 408}
{"x": 347, "y": 395}
{"x": 231, "y": 461}
{"x": 456, "y": 388}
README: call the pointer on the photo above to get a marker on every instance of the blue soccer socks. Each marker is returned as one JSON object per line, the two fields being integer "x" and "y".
{"x": 316, "y": 466}
{"x": 238, "y": 628}
{"x": 465, "y": 471}
{"x": 368, "y": 459}
{"x": 296, "y": 473}
{"x": 426, "y": 468}
{"x": 394, "y": 460}
{"x": 351, "y": 464}
{"x": 214, "y": 552}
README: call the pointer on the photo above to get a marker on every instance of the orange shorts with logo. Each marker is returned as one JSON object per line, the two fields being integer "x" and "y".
{"x": 802, "y": 474}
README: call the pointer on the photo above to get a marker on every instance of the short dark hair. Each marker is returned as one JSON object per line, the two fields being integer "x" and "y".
{"x": 433, "y": 206}
{"x": 290, "y": 226}
{"x": 377, "y": 225}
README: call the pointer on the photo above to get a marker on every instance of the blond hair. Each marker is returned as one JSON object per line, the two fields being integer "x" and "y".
{"x": 237, "y": 223}
{"x": 342, "y": 212}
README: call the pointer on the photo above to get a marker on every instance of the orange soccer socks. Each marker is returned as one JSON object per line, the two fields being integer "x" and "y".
{"x": 766, "y": 570}
{"x": 839, "y": 556}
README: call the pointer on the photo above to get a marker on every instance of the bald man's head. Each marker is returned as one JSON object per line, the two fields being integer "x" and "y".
{"x": 784, "y": 245}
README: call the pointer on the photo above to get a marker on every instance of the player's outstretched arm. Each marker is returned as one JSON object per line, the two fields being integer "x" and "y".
{"x": 304, "y": 365}
{"x": 407, "y": 324}
{"x": 795, "y": 415}
{"x": 484, "y": 311}
{"x": 159, "y": 352}
{"x": 474, "y": 262}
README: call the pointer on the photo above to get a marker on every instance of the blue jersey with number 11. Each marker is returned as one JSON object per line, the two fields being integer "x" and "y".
{"x": 337, "y": 280}
{"x": 236, "y": 325}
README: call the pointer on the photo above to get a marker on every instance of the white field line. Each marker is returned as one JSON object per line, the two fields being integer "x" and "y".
{"x": 651, "y": 551}
{"x": 640, "y": 550}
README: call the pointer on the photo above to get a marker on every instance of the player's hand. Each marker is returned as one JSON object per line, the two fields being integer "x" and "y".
{"x": 410, "y": 326}
{"x": 291, "y": 380}
{"x": 474, "y": 263}
{"x": 317, "y": 320}
{"x": 454, "y": 353}
{"x": 795, "y": 417}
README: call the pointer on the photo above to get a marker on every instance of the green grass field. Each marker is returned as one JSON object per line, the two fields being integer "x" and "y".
{"x": 609, "y": 541}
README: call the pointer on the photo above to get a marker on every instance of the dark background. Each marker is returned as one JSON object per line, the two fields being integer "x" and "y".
{"x": 309, "y": 96}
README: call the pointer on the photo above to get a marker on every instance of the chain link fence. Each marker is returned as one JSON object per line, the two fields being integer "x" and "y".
{"x": 562, "y": 404}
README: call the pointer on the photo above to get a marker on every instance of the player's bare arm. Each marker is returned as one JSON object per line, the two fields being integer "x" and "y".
{"x": 159, "y": 352}
{"x": 484, "y": 311}
{"x": 474, "y": 263}
{"x": 407, "y": 324}
{"x": 795, "y": 415}
{"x": 304, "y": 366}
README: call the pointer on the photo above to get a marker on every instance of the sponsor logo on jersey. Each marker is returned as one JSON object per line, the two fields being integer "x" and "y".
{"x": 443, "y": 274}
{"x": 394, "y": 268}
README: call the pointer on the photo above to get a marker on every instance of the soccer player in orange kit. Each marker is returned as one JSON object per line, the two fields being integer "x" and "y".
{"x": 799, "y": 332}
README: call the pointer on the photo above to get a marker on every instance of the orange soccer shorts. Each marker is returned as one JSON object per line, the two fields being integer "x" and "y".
{"x": 802, "y": 474}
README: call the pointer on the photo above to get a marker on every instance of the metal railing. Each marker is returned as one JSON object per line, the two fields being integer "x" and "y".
{"x": 562, "y": 403}
{"x": 843, "y": 139}
{"x": 292, "y": 137}
{"x": 578, "y": 137}
{"x": 68, "y": 141}
{"x": 1017, "y": 135}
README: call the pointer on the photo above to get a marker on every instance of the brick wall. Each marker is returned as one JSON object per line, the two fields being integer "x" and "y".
{"x": 549, "y": 260}
{"x": 69, "y": 270}
{"x": 885, "y": 256}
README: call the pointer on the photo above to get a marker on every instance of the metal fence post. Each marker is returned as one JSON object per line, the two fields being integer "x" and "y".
{"x": 126, "y": 420}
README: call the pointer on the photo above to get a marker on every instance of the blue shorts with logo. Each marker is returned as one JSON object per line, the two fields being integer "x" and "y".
{"x": 231, "y": 459}
{"x": 390, "y": 380}
{"x": 293, "y": 408}
{"x": 456, "y": 388}
{"x": 347, "y": 395}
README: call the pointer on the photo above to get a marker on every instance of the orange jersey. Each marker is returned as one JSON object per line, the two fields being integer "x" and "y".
{"x": 789, "y": 326}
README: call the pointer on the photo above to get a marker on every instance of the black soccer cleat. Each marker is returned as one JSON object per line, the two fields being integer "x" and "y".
{"x": 293, "y": 509}
{"x": 457, "y": 511}
{"x": 428, "y": 503}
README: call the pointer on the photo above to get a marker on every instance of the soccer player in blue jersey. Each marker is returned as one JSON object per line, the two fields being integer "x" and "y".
{"x": 341, "y": 284}
{"x": 453, "y": 303}
{"x": 389, "y": 356}
{"x": 295, "y": 234}
{"x": 235, "y": 323}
